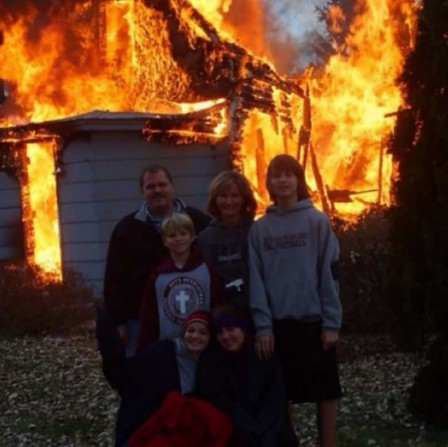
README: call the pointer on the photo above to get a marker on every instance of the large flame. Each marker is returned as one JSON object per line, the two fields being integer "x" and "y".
{"x": 41, "y": 208}
{"x": 353, "y": 95}
{"x": 238, "y": 21}
{"x": 352, "y": 98}
{"x": 112, "y": 55}
{"x": 117, "y": 55}
{"x": 119, "y": 61}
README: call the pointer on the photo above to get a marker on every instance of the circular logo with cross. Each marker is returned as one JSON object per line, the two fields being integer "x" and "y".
{"x": 182, "y": 296}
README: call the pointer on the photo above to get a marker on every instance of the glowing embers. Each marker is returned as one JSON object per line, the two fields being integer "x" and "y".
{"x": 40, "y": 208}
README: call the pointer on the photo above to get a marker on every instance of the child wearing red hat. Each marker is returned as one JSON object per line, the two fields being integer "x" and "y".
{"x": 156, "y": 387}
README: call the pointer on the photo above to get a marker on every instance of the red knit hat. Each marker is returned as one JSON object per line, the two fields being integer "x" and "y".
{"x": 199, "y": 316}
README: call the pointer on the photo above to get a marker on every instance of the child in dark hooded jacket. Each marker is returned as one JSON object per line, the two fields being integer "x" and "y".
{"x": 248, "y": 390}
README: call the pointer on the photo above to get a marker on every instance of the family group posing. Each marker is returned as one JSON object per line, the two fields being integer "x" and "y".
{"x": 214, "y": 326}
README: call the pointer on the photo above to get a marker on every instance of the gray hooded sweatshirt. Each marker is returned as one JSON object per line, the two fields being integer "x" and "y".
{"x": 293, "y": 257}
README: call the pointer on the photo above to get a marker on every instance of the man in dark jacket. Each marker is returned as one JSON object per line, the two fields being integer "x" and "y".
{"x": 134, "y": 246}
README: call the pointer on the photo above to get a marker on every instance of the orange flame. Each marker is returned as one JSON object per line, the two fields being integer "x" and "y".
{"x": 237, "y": 21}
{"x": 265, "y": 135}
{"x": 352, "y": 96}
{"x": 41, "y": 208}
{"x": 114, "y": 63}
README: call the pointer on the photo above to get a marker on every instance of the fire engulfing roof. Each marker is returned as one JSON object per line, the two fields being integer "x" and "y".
{"x": 215, "y": 64}
{"x": 217, "y": 70}
{"x": 166, "y": 74}
{"x": 198, "y": 126}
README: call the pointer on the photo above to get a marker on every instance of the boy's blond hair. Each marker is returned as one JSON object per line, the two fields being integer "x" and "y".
{"x": 176, "y": 222}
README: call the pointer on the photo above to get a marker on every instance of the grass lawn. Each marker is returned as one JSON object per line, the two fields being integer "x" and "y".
{"x": 52, "y": 393}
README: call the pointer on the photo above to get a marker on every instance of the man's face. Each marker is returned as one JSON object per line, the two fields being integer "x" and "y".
{"x": 158, "y": 192}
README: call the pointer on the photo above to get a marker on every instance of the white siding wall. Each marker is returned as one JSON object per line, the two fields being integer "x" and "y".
{"x": 99, "y": 186}
{"x": 11, "y": 230}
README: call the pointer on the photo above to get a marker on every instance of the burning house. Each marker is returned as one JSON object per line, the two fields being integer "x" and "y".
{"x": 147, "y": 81}
{"x": 91, "y": 90}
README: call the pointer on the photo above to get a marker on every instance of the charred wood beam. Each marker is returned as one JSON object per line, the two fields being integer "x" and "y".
{"x": 305, "y": 130}
{"x": 248, "y": 91}
{"x": 194, "y": 127}
{"x": 261, "y": 163}
{"x": 380, "y": 172}
{"x": 3, "y": 94}
{"x": 262, "y": 106}
{"x": 25, "y": 134}
{"x": 345, "y": 195}
{"x": 286, "y": 138}
{"x": 319, "y": 181}
{"x": 286, "y": 119}
{"x": 253, "y": 87}
{"x": 263, "y": 101}
{"x": 2, "y": 82}
{"x": 205, "y": 124}
{"x": 265, "y": 73}
{"x": 218, "y": 58}
{"x": 206, "y": 26}
{"x": 237, "y": 160}
{"x": 266, "y": 108}
{"x": 263, "y": 77}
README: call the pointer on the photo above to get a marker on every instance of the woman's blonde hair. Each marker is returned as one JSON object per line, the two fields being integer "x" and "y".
{"x": 175, "y": 222}
{"x": 222, "y": 180}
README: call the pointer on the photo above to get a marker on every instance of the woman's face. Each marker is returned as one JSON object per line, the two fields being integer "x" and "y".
{"x": 231, "y": 338}
{"x": 229, "y": 202}
{"x": 197, "y": 336}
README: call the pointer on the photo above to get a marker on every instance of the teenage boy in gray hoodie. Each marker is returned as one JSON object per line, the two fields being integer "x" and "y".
{"x": 294, "y": 293}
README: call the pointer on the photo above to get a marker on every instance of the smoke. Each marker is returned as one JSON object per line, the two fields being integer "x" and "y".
{"x": 282, "y": 30}
{"x": 301, "y": 32}
{"x": 247, "y": 19}
{"x": 292, "y": 27}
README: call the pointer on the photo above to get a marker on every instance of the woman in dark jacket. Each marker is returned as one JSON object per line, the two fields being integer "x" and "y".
{"x": 248, "y": 390}
{"x": 224, "y": 241}
{"x": 152, "y": 383}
